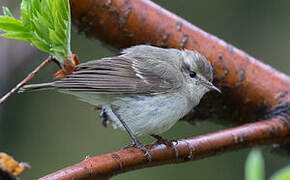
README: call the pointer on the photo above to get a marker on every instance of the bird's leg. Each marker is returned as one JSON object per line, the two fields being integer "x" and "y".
{"x": 136, "y": 143}
{"x": 103, "y": 115}
{"x": 170, "y": 143}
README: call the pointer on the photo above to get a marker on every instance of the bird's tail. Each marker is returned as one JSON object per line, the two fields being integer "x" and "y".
{"x": 35, "y": 87}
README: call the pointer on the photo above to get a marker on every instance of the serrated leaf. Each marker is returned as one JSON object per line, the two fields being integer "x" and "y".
{"x": 44, "y": 23}
{"x": 64, "y": 13}
{"x": 46, "y": 8}
{"x": 11, "y": 24}
{"x": 60, "y": 22}
{"x": 41, "y": 45}
{"x": 283, "y": 174}
{"x": 41, "y": 30}
{"x": 59, "y": 29}
{"x": 54, "y": 37}
{"x": 255, "y": 166}
{"x": 46, "y": 12}
{"x": 7, "y": 12}
{"x": 18, "y": 36}
{"x": 36, "y": 5}
{"x": 26, "y": 12}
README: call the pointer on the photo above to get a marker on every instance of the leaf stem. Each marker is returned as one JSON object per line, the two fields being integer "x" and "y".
{"x": 26, "y": 79}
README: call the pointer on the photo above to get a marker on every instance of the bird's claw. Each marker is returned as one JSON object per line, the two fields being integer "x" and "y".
{"x": 169, "y": 143}
{"x": 141, "y": 146}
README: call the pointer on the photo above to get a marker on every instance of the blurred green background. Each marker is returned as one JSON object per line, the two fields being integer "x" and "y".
{"x": 52, "y": 130}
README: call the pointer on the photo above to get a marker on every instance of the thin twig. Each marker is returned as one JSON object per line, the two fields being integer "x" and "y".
{"x": 25, "y": 80}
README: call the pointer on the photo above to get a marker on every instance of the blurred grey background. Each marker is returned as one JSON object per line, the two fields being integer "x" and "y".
{"x": 52, "y": 130}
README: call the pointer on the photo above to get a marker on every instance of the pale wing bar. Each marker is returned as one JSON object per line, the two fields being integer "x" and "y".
{"x": 117, "y": 75}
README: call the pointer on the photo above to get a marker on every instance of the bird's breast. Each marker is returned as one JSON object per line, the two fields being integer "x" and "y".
{"x": 151, "y": 114}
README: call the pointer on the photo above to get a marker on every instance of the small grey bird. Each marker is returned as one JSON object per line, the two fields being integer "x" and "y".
{"x": 145, "y": 90}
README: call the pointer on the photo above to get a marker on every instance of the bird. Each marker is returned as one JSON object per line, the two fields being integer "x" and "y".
{"x": 145, "y": 90}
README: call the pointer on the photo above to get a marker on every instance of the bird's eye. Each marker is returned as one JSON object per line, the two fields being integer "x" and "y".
{"x": 192, "y": 74}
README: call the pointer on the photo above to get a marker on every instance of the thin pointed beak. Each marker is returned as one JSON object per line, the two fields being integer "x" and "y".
{"x": 212, "y": 87}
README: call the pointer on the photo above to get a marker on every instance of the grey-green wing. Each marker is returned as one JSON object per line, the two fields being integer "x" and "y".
{"x": 122, "y": 75}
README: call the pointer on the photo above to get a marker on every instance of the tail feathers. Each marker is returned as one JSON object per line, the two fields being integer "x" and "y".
{"x": 35, "y": 87}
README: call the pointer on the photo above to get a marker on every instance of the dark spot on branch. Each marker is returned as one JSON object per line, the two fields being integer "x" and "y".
{"x": 282, "y": 94}
{"x": 240, "y": 138}
{"x": 165, "y": 37}
{"x": 115, "y": 156}
{"x": 220, "y": 56}
{"x": 230, "y": 48}
{"x": 245, "y": 136}
{"x": 179, "y": 25}
{"x": 183, "y": 41}
{"x": 123, "y": 20}
{"x": 242, "y": 77}
{"x": 282, "y": 112}
{"x": 247, "y": 57}
{"x": 235, "y": 138}
{"x": 107, "y": 5}
{"x": 190, "y": 155}
{"x": 89, "y": 171}
{"x": 272, "y": 131}
{"x": 114, "y": 13}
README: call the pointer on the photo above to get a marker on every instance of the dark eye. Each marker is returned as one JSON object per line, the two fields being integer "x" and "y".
{"x": 192, "y": 74}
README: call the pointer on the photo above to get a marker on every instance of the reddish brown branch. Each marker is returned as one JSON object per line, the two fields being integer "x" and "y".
{"x": 26, "y": 79}
{"x": 105, "y": 166}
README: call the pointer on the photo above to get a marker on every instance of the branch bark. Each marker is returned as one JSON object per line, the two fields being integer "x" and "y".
{"x": 251, "y": 90}
{"x": 105, "y": 166}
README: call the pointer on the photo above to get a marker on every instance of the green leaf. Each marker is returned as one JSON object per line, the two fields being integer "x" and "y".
{"x": 44, "y": 23}
{"x": 24, "y": 36}
{"x": 26, "y": 15}
{"x": 36, "y": 5}
{"x": 255, "y": 166}
{"x": 65, "y": 13}
{"x": 54, "y": 37}
{"x": 283, "y": 174}
{"x": 7, "y": 12}
{"x": 41, "y": 45}
{"x": 11, "y": 24}
{"x": 41, "y": 30}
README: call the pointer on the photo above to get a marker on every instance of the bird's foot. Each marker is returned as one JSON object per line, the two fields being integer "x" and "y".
{"x": 169, "y": 143}
{"x": 140, "y": 146}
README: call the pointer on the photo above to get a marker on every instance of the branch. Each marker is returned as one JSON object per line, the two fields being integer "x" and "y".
{"x": 25, "y": 80}
{"x": 105, "y": 166}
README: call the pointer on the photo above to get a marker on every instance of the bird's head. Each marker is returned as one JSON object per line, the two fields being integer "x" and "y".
{"x": 198, "y": 73}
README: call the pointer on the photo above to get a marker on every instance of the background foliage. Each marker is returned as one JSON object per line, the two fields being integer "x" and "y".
{"x": 52, "y": 130}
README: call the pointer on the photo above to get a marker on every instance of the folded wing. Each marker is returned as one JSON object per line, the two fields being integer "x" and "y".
{"x": 122, "y": 75}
